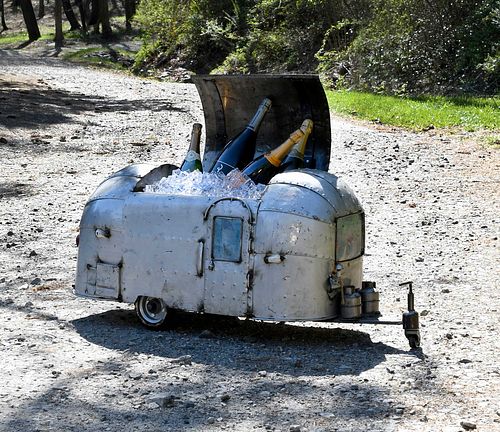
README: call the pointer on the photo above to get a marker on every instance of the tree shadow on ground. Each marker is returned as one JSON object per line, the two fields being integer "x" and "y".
{"x": 33, "y": 105}
{"x": 14, "y": 189}
{"x": 123, "y": 409}
{"x": 251, "y": 345}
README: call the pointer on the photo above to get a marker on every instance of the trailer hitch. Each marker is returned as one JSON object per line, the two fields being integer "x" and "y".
{"x": 410, "y": 318}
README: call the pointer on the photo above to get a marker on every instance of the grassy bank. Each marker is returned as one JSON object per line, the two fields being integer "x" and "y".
{"x": 465, "y": 112}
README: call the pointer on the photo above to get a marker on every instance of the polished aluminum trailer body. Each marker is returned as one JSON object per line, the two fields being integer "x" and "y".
{"x": 267, "y": 258}
{"x": 294, "y": 254}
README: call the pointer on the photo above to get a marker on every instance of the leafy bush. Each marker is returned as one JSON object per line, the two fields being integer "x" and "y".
{"x": 198, "y": 34}
{"x": 387, "y": 46}
{"x": 415, "y": 46}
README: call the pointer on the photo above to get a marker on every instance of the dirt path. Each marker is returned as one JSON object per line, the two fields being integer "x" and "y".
{"x": 69, "y": 364}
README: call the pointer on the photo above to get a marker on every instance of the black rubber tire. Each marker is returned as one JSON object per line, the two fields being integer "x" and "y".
{"x": 151, "y": 311}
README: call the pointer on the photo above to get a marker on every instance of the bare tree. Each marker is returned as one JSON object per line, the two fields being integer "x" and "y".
{"x": 130, "y": 6}
{"x": 104, "y": 18}
{"x": 68, "y": 11}
{"x": 2, "y": 13}
{"x": 41, "y": 8}
{"x": 83, "y": 13}
{"x": 59, "y": 37}
{"x": 30, "y": 19}
{"x": 98, "y": 16}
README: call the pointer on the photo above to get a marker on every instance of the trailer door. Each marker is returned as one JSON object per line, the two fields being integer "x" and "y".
{"x": 227, "y": 258}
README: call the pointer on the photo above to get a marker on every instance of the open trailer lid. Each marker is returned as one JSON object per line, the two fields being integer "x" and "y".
{"x": 230, "y": 101}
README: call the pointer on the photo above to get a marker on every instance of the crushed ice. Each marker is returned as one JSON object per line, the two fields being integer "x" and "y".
{"x": 234, "y": 185}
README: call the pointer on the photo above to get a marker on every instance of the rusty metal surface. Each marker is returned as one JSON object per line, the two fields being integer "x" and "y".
{"x": 229, "y": 102}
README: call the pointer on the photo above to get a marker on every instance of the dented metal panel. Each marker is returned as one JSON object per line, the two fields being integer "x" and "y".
{"x": 295, "y": 289}
{"x": 338, "y": 199}
{"x": 161, "y": 257}
{"x": 289, "y": 234}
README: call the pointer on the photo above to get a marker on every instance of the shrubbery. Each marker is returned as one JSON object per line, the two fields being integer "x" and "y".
{"x": 390, "y": 46}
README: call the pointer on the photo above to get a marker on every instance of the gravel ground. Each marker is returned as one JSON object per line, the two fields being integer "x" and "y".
{"x": 431, "y": 203}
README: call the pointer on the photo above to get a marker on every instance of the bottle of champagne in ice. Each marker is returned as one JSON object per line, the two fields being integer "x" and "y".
{"x": 239, "y": 151}
{"x": 295, "y": 158}
{"x": 266, "y": 166}
{"x": 192, "y": 161}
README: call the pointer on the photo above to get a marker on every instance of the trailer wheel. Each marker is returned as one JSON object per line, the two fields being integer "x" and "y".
{"x": 151, "y": 311}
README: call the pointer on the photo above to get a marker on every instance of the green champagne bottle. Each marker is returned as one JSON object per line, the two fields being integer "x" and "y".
{"x": 239, "y": 151}
{"x": 192, "y": 161}
{"x": 266, "y": 166}
{"x": 295, "y": 158}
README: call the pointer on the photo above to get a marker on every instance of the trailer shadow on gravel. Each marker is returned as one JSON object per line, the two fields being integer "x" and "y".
{"x": 303, "y": 349}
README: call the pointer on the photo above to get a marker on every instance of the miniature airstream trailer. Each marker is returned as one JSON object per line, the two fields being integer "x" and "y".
{"x": 296, "y": 253}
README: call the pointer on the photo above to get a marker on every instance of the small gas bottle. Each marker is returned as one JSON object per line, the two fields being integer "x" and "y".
{"x": 369, "y": 299}
{"x": 351, "y": 306}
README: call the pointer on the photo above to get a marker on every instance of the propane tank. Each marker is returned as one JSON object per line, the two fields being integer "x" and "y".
{"x": 351, "y": 306}
{"x": 369, "y": 299}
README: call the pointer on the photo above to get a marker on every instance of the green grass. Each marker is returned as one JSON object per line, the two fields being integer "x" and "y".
{"x": 465, "y": 112}
{"x": 19, "y": 38}
{"x": 89, "y": 56}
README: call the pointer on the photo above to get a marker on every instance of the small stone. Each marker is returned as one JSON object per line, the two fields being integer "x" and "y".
{"x": 419, "y": 259}
{"x": 33, "y": 253}
{"x": 183, "y": 360}
{"x": 449, "y": 336}
{"x": 210, "y": 420}
{"x": 152, "y": 405}
{"x": 10, "y": 233}
{"x": 465, "y": 361}
{"x": 134, "y": 375}
{"x": 3, "y": 140}
{"x": 295, "y": 428}
{"x": 399, "y": 410}
{"x": 262, "y": 373}
{"x": 165, "y": 400}
{"x": 468, "y": 425}
{"x": 225, "y": 397}
{"x": 206, "y": 334}
{"x": 189, "y": 404}
{"x": 28, "y": 305}
{"x": 425, "y": 312}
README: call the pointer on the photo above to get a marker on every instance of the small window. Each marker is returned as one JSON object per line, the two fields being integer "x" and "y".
{"x": 350, "y": 237}
{"x": 227, "y": 234}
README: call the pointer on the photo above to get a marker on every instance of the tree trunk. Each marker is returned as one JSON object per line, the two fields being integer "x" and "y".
{"x": 68, "y": 11}
{"x": 104, "y": 19}
{"x": 2, "y": 12}
{"x": 91, "y": 8}
{"x": 129, "y": 13}
{"x": 30, "y": 19}
{"x": 83, "y": 15}
{"x": 58, "y": 39}
{"x": 41, "y": 8}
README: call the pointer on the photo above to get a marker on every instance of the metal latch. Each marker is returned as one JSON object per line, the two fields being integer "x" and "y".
{"x": 102, "y": 233}
{"x": 274, "y": 259}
